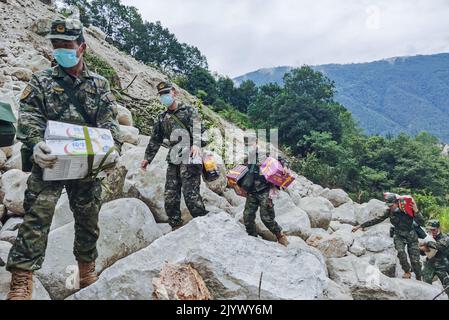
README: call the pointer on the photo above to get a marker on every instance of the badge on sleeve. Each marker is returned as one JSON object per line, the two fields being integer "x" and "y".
{"x": 26, "y": 92}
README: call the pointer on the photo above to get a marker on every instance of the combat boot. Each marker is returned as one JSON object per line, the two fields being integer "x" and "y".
{"x": 407, "y": 275}
{"x": 87, "y": 273}
{"x": 282, "y": 239}
{"x": 21, "y": 287}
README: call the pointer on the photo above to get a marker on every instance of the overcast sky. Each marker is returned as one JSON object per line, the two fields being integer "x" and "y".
{"x": 239, "y": 36}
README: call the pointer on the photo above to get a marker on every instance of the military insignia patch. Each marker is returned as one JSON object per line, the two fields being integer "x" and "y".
{"x": 60, "y": 28}
{"x": 58, "y": 89}
{"x": 26, "y": 92}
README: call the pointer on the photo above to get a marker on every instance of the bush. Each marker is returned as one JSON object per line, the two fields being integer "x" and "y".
{"x": 103, "y": 68}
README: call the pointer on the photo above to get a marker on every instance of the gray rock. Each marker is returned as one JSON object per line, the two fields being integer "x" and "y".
{"x": 126, "y": 226}
{"x": 369, "y": 211}
{"x": 319, "y": 211}
{"x": 346, "y": 213}
{"x": 375, "y": 239}
{"x": 124, "y": 116}
{"x": 287, "y": 273}
{"x": 130, "y": 134}
{"x": 63, "y": 214}
{"x": 336, "y": 196}
{"x": 331, "y": 245}
{"x": 14, "y": 183}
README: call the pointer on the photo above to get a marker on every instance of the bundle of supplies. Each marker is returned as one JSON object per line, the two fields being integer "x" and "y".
{"x": 80, "y": 151}
{"x": 273, "y": 171}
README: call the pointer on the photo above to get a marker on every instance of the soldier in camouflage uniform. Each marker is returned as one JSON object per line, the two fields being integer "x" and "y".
{"x": 404, "y": 234}
{"x": 258, "y": 189}
{"x": 438, "y": 264}
{"x": 47, "y": 97}
{"x": 180, "y": 128}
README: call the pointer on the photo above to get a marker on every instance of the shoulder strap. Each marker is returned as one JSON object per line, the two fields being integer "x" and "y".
{"x": 72, "y": 97}
{"x": 182, "y": 124}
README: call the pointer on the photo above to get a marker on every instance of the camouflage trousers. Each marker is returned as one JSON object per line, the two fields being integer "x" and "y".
{"x": 267, "y": 214}
{"x": 409, "y": 240}
{"x": 437, "y": 268}
{"x": 28, "y": 251}
{"x": 185, "y": 178}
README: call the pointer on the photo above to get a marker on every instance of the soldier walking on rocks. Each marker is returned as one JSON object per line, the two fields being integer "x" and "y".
{"x": 438, "y": 264}
{"x": 70, "y": 93}
{"x": 180, "y": 127}
{"x": 404, "y": 234}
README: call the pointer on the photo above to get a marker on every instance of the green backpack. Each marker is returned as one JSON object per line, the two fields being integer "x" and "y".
{"x": 7, "y": 128}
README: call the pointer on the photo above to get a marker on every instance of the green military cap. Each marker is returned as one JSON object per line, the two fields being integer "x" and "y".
{"x": 164, "y": 87}
{"x": 390, "y": 198}
{"x": 68, "y": 29}
{"x": 433, "y": 224}
{"x": 6, "y": 113}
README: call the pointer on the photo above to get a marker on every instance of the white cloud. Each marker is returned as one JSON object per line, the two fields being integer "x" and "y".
{"x": 239, "y": 36}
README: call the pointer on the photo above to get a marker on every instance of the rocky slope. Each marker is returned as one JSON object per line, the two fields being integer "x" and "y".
{"x": 324, "y": 260}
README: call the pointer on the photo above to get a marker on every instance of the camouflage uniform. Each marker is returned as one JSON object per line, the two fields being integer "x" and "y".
{"x": 438, "y": 265}
{"x": 180, "y": 174}
{"x": 404, "y": 235}
{"x": 42, "y": 100}
{"x": 259, "y": 197}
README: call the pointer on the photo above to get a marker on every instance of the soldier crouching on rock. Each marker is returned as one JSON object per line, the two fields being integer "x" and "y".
{"x": 258, "y": 189}
{"x": 404, "y": 234}
{"x": 438, "y": 264}
{"x": 70, "y": 93}
{"x": 178, "y": 125}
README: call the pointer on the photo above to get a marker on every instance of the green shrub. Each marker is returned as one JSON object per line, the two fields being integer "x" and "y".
{"x": 103, "y": 68}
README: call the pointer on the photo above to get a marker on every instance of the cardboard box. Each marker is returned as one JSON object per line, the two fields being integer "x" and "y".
{"x": 72, "y": 162}
{"x": 66, "y": 131}
{"x": 236, "y": 174}
{"x": 273, "y": 171}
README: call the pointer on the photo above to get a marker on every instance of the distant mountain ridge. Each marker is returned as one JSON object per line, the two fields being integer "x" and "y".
{"x": 402, "y": 94}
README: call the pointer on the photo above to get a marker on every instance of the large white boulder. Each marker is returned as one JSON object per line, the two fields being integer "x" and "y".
{"x": 366, "y": 282}
{"x": 14, "y": 184}
{"x": 375, "y": 239}
{"x": 126, "y": 226}
{"x": 336, "y": 196}
{"x": 319, "y": 211}
{"x": 370, "y": 210}
{"x": 331, "y": 245}
{"x": 129, "y": 134}
{"x": 39, "y": 292}
{"x": 229, "y": 261}
{"x": 346, "y": 213}
{"x": 124, "y": 116}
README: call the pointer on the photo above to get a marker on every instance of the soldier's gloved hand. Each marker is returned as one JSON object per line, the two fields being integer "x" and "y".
{"x": 42, "y": 157}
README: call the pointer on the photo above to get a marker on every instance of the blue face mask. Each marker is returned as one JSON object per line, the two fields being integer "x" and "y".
{"x": 167, "y": 100}
{"x": 66, "y": 58}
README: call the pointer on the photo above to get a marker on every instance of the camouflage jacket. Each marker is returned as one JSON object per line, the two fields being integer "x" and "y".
{"x": 401, "y": 221}
{"x": 44, "y": 99}
{"x": 167, "y": 130}
{"x": 442, "y": 245}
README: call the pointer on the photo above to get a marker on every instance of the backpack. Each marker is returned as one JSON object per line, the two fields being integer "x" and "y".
{"x": 7, "y": 128}
{"x": 7, "y": 133}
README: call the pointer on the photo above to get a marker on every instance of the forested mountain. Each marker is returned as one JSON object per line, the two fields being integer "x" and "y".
{"x": 405, "y": 94}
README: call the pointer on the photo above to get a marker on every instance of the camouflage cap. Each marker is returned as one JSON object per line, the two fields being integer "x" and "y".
{"x": 433, "y": 224}
{"x": 6, "y": 113}
{"x": 390, "y": 198}
{"x": 164, "y": 87}
{"x": 68, "y": 29}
